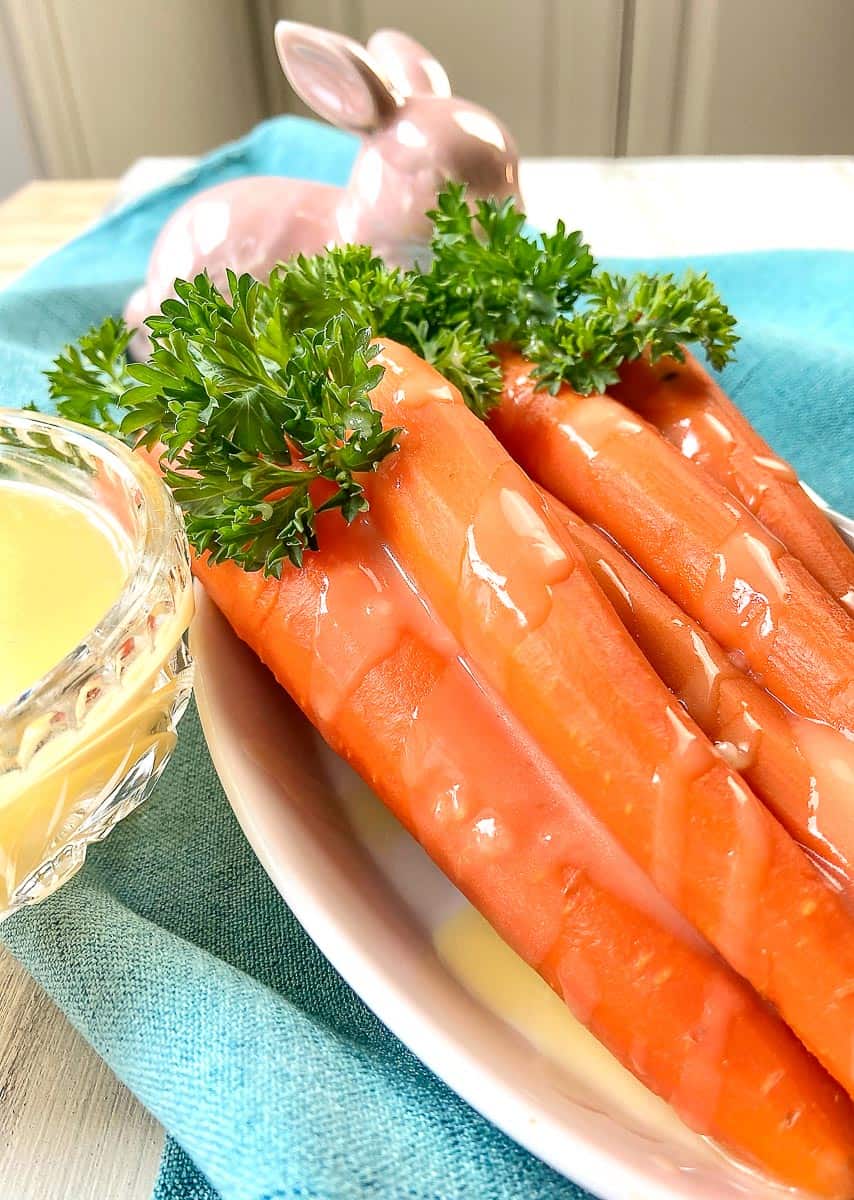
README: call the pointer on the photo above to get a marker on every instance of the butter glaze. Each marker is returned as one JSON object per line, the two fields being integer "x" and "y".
{"x": 572, "y": 842}
{"x": 687, "y": 406}
{"x": 756, "y": 734}
{"x": 386, "y": 607}
{"x": 367, "y": 605}
{"x": 488, "y": 804}
{"x": 511, "y": 562}
{"x": 688, "y": 757}
{"x": 699, "y": 1088}
{"x": 729, "y": 572}
{"x": 749, "y": 863}
{"x": 745, "y": 592}
{"x": 829, "y": 756}
{"x": 707, "y": 441}
{"x": 339, "y": 663}
{"x": 589, "y": 698}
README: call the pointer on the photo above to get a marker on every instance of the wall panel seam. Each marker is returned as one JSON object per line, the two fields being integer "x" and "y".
{"x": 553, "y": 65}
{"x": 624, "y": 84}
{"x": 76, "y": 121}
{"x": 699, "y": 45}
{"x": 680, "y": 80}
{"x": 354, "y": 21}
{"x": 20, "y": 93}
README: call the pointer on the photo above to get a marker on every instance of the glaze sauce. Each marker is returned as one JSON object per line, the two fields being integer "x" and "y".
{"x": 62, "y": 565}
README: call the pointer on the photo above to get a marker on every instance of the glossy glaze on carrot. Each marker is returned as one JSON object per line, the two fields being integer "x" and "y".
{"x": 699, "y": 544}
{"x": 387, "y": 685}
{"x": 802, "y": 770}
{"x": 693, "y": 412}
{"x": 471, "y": 530}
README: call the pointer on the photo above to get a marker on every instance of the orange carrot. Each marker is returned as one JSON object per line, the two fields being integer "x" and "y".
{"x": 683, "y": 401}
{"x": 471, "y": 530}
{"x": 802, "y": 770}
{"x": 699, "y": 544}
{"x": 351, "y": 641}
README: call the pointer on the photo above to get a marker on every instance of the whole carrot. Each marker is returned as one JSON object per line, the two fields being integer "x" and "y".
{"x": 802, "y": 770}
{"x": 693, "y": 412}
{"x": 471, "y": 529}
{"x": 701, "y": 547}
{"x": 350, "y": 639}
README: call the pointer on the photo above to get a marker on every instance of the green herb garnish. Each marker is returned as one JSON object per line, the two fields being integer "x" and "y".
{"x": 251, "y": 413}
{"x": 396, "y": 304}
{"x": 487, "y": 272}
{"x": 258, "y": 395}
{"x": 647, "y": 314}
{"x": 89, "y": 378}
{"x": 548, "y": 298}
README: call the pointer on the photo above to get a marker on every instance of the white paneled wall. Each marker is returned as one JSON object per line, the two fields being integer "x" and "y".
{"x": 549, "y": 68}
{"x": 740, "y": 77}
{"x": 772, "y": 75}
{"x": 18, "y": 158}
{"x": 108, "y": 80}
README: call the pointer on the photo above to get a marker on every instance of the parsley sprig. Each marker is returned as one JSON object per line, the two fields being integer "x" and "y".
{"x": 259, "y": 394}
{"x": 487, "y": 272}
{"x": 89, "y": 378}
{"x": 548, "y": 298}
{"x": 251, "y": 412}
{"x": 393, "y": 303}
{"x": 646, "y": 314}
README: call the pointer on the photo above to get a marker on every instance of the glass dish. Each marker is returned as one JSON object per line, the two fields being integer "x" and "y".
{"x": 86, "y": 743}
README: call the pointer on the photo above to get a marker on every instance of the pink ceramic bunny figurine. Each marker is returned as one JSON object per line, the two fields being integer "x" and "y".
{"x": 415, "y": 136}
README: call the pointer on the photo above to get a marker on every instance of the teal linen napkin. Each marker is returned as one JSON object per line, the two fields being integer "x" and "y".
{"x": 171, "y": 951}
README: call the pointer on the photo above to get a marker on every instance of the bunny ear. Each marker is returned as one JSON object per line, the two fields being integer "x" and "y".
{"x": 409, "y": 65}
{"x": 335, "y": 77}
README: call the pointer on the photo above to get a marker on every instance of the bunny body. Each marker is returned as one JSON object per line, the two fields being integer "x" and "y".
{"x": 415, "y": 137}
{"x": 246, "y": 224}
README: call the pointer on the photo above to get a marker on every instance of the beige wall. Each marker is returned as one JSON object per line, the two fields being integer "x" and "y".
{"x": 108, "y": 80}
{"x": 549, "y": 68}
{"x": 18, "y": 157}
{"x": 777, "y": 75}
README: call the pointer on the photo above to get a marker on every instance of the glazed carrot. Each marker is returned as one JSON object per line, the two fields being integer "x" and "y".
{"x": 383, "y": 681}
{"x": 802, "y": 770}
{"x": 683, "y": 401}
{"x": 699, "y": 544}
{"x": 471, "y": 529}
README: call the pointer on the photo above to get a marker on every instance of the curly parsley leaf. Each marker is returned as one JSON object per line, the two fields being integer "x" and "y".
{"x": 655, "y": 314}
{"x": 652, "y": 315}
{"x": 88, "y": 378}
{"x": 488, "y": 273}
{"x": 250, "y": 413}
{"x": 548, "y": 298}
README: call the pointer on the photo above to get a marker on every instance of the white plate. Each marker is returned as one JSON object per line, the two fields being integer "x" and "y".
{"x": 372, "y": 900}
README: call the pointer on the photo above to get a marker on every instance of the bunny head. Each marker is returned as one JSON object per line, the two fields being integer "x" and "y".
{"x": 415, "y": 135}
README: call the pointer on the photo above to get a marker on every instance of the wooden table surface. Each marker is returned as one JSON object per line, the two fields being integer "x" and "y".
{"x": 69, "y": 1130}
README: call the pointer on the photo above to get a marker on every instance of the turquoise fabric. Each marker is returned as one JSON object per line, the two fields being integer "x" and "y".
{"x": 172, "y": 953}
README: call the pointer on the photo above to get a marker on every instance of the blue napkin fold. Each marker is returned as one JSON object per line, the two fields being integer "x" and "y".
{"x": 172, "y": 953}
